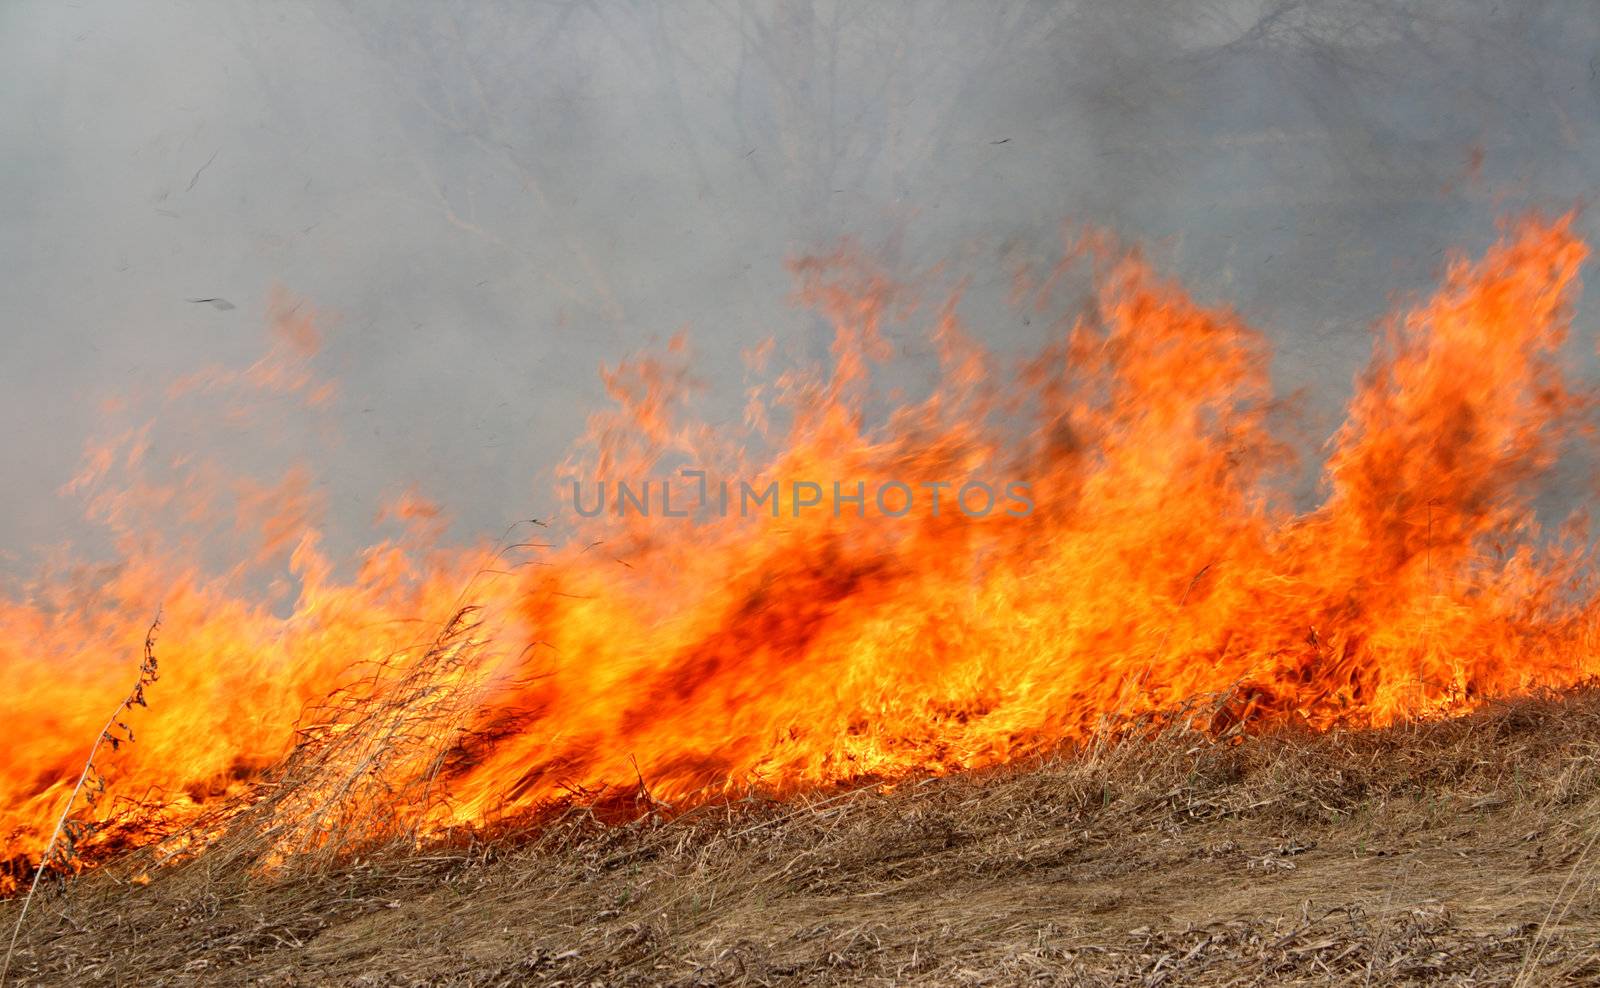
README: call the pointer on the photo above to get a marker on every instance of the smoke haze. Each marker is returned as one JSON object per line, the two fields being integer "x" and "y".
{"x": 484, "y": 202}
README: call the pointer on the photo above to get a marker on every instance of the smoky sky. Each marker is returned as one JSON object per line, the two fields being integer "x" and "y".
{"x": 487, "y": 201}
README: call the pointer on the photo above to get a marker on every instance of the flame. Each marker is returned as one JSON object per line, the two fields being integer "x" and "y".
{"x": 1143, "y": 548}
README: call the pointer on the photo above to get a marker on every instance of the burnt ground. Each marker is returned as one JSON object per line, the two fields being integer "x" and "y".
{"x": 1458, "y": 852}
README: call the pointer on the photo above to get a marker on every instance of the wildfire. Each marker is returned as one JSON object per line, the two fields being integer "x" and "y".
{"x": 1161, "y": 558}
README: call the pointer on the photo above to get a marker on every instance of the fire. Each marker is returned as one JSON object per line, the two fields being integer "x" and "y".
{"x": 1162, "y": 557}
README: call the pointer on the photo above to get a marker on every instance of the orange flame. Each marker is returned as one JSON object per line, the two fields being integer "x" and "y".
{"x": 1162, "y": 559}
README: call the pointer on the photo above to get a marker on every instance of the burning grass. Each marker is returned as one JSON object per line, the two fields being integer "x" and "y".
{"x": 711, "y": 690}
{"x": 1447, "y": 852}
{"x": 707, "y": 656}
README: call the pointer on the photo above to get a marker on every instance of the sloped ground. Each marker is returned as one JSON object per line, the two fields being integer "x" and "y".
{"x": 1447, "y": 853}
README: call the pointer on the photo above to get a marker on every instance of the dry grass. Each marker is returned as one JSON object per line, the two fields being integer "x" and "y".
{"x": 364, "y": 772}
{"x": 61, "y": 849}
{"x": 1444, "y": 853}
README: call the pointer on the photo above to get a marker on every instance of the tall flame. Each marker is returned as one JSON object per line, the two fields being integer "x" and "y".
{"x": 1163, "y": 558}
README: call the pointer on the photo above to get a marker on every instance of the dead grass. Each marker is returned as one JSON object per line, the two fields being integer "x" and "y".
{"x": 1453, "y": 853}
{"x": 60, "y": 850}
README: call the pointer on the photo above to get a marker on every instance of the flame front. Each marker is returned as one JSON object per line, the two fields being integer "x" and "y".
{"x": 1163, "y": 559}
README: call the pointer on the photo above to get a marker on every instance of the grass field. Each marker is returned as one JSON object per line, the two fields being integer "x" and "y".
{"x": 1457, "y": 852}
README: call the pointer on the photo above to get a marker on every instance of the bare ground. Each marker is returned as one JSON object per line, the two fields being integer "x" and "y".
{"x": 1457, "y": 852}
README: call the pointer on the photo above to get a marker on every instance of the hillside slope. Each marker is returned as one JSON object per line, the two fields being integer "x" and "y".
{"x": 1457, "y": 852}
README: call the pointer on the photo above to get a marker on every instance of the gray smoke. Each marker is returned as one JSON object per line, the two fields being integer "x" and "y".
{"x": 492, "y": 198}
